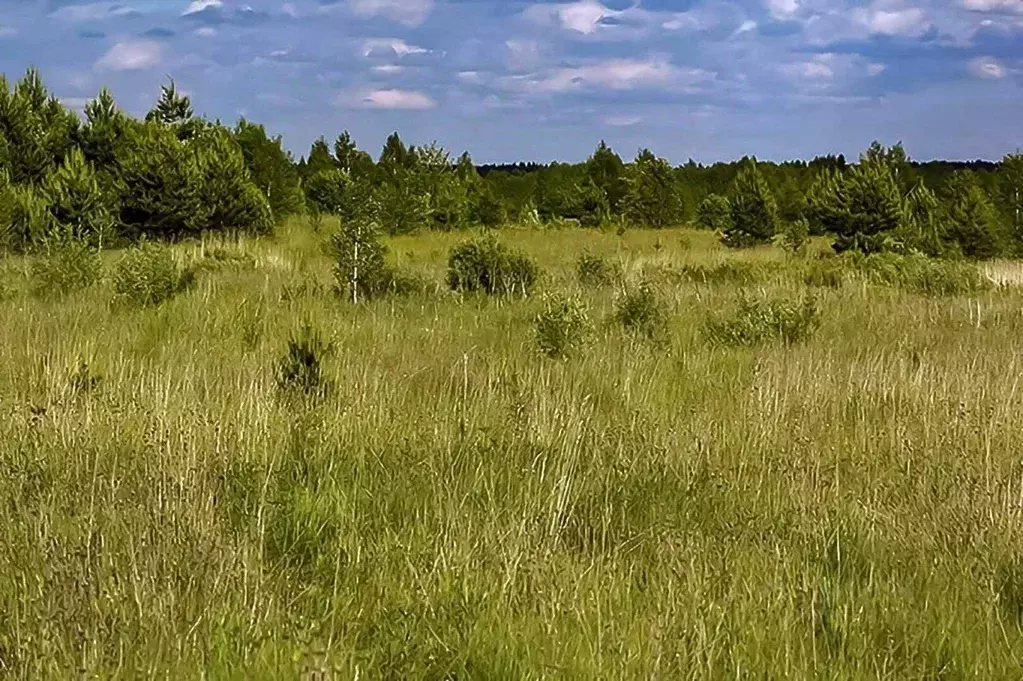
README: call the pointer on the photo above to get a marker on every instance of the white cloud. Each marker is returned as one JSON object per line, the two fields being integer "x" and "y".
{"x": 76, "y": 103}
{"x": 1005, "y": 6}
{"x": 90, "y": 12}
{"x": 131, "y": 56}
{"x": 986, "y": 67}
{"x": 7, "y": 32}
{"x": 623, "y": 121}
{"x": 409, "y": 12}
{"x": 391, "y": 99}
{"x": 910, "y": 22}
{"x": 199, "y": 5}
{"x": 387, "y": 69}
{"x": 524, "y": 54}
{"x": 782, "y": 9}
{"x": 206, "y": 32}
{"x": 746, "y": 27}
{"x": 390, "y": 47}
{"x": 612, "y": 74}
{"x": 584, "y": 16}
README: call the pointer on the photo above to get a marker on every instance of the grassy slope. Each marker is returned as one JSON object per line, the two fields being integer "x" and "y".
{"x": 844, "y": 509}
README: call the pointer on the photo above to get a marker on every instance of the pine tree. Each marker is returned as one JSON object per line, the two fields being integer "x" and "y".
{"x": 973, "y": 224}
{"x": 924, "y": 228}
{"x": 319, "y": 158}
{"x": 754, "y": 211}
{"x": 37, "y": 131}
{"x": 395, "y": 156}
{"x": 606, "y": 171}
{"x": 227, "y": 197}
{"x": 714, "y": 213}
{"x": 653, "y": 199}
{"x": 1011, "y": 175}
{"x": 77, "y": 202}
{"x": 174, "y": 110}
{"x": 270, "y": 168}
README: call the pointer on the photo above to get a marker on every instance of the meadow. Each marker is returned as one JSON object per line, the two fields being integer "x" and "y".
{"x": 458, "y": 505}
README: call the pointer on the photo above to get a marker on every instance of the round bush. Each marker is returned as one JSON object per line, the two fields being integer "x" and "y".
{"x": 485, "y": 264}
{"x": 148, "y": 275}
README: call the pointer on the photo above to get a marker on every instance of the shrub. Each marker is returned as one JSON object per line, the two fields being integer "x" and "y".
{"x": 714, "y": 213}
{"x": 921, "y": 274}
{"x": 485, "y": 264}
{"x": 562, "y": 327}
{"x": 65, "y": 266}
{"x": 794, "y": 236}
{"x": 359, "y": 267}
{"x": 643, "y": 312}
{"x": 595, "y": 270}
{"x": 301, "y": 368}
{"x": 149, "y": 275}
{"x": 758, "y": 321}
{"x": 754, "y": 211}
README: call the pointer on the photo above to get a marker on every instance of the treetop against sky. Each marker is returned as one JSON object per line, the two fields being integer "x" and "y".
{"x": 514, "y": 80}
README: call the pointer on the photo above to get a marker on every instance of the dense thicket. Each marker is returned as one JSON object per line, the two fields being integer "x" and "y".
{"x": 107, "y": 178}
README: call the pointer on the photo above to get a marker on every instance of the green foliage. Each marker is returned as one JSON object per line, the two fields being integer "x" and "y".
{"x": 563, "y": 327}
{"x": 300, "y": 370}
{"x": 37, "y": 132}
{"x": 973, "y": 225}
{"x": 77, "y": 202}
{"x": 174, "y": 112}
{"x": 607, "y": 173}
{"x": 64, "y": 266}
{"x": 794, "y": 236}
{"x": 1011, "y": 189}
{"x": 653, "y": 199}
{"x": 595, "y": 270}
{"x": 161, "y": 185}
{"x": 826, "y": 273}
{"x": 862, "y": 207}
{"x": 228, "y": 199}
{"x": 148, "y": 275}
{"x": 925, "y": 228}
{"x": 642, "y": 311}
{"x": 753, "y": 210}
{"x": 360, "y": 271}
{"x": 760, "y": 320}
{"x": 920, "y": 274}
{"x": 485, "y": 264}
{"x": 271, "y": 168}
{"x": 715, "y": 213}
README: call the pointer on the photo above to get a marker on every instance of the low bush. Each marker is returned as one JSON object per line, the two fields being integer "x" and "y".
{"x": 758, "y": 321}
{"x": 485, "y": 264}
{"x": 148, "y": 275}
{"x": 562, "y": 327}
{"x": 596, "y": 270}
{"x": 642, "y": 311}
{"x": 920, "y": 274}
{"x": 301, "y": 368}
{"x": 65, "y": 266}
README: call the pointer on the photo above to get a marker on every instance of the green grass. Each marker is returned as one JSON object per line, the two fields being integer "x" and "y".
{"x": 458, "y": 506}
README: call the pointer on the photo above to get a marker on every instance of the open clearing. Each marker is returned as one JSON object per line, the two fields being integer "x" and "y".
{"x": 458, "y": 506}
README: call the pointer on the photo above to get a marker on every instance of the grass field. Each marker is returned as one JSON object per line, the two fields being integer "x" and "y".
{"x": 459, "y": 506}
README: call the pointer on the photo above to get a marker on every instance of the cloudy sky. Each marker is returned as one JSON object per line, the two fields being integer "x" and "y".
{"x": 532, "y": 80}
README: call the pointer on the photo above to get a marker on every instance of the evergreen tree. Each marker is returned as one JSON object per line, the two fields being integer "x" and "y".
{"x": 1011, "y": 180}
{"x": 37, "y": 132}
{"x": 973, "y": 225}
{"x": 174, "y": 111}
{"x": 862, "y": 207}
{"x": 606, "y": 171}
{"x": 320, "y": 158}
{"x": 924, "y": 229}
{"x": 753, "y": 210}
{"x": 103, "y": 135}
{"x": 227, "y": 197}
{"x": 715, "y": 214}
{"x": 350, "y": 158}
{"x": 653, "y": 199}
{"x": 395, "y": 156}
{"x": 270, "y": 168}
{"x": 76, "y": 201}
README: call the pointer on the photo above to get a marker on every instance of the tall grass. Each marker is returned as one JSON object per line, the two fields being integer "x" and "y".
{"x": 456, "y": 506}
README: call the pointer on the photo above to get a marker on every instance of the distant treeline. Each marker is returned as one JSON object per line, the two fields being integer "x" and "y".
{"x": 109, "y": 178}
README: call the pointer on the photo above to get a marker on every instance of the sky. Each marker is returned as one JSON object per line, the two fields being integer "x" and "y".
{"x": 510, "y": 80}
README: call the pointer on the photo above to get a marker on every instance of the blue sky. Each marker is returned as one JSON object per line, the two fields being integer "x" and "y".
{"x": 533, "y": 80}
